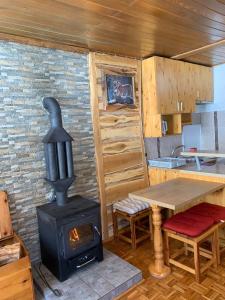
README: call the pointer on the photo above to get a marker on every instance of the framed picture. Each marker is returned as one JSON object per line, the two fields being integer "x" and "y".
{"x": 120, "y": 89}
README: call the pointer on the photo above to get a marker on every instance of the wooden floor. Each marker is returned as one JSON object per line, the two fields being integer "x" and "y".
{"x": 179, "y": 285}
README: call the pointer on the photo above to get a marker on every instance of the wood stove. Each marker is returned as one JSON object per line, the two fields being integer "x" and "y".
{"x": 69, "y": 235}
{"x": 69, "y": 228}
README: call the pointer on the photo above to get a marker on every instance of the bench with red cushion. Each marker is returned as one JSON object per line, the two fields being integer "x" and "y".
{"x": 196, "y": 220}
{"x": 189, "y": 224}
{"x": 216, "y": 212}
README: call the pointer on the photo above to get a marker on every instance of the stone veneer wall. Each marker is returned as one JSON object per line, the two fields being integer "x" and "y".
{"x": 27, "y": 74}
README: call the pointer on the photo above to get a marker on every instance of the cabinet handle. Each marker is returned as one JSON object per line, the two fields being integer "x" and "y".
{"x": 181, "y": 105}
{"x": 178, "y": 106}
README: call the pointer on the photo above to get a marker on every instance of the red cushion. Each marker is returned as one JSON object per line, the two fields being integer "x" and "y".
{"x": 189, "y": 224}
{"x": 216, "y": 212}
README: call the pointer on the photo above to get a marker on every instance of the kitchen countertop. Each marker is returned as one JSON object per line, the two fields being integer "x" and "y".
{"x": 204, "y": 153}
{"x": 216, "y": 170}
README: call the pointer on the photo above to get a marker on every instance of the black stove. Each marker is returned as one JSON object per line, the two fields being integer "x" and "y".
{"x": 70, "y": 235}
{"x": 69, "y": 228}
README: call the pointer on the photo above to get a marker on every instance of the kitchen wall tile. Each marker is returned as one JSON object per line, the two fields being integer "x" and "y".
{"x": 207, "y": 141}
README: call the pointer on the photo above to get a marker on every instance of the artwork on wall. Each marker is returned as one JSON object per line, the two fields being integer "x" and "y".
{"x": 119, "y": 89}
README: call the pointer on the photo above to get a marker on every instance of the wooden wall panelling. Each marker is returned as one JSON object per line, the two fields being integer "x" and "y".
{"x": 119, "y": 146}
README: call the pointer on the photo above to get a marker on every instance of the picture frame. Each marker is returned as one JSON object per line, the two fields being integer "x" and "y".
{"x": 119, "y": 90}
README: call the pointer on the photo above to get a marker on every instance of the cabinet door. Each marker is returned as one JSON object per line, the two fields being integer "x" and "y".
{"x": 201, "y": 82}
{"x": 167, "y": 72}
{"x": 205, "y": 84}
{"x": 187, "y": 88}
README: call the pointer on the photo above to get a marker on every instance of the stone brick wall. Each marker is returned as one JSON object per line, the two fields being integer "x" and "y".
{"x": 27, "y": 74}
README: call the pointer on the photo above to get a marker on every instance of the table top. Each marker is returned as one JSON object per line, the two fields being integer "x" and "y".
{"x": 176, "y": 193}
{"x": 204, "y": 153}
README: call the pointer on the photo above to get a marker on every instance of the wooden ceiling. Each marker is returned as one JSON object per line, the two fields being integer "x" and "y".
{"x": 136, "y": 28}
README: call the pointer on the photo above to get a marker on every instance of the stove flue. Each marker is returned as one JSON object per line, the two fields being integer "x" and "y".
{"x": 58, "y": 153}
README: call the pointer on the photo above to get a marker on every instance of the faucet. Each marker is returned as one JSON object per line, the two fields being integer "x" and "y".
{"x": 175, "y": 150}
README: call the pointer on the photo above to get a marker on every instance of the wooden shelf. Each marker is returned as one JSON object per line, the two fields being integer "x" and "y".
{"x": 155, "y": 129}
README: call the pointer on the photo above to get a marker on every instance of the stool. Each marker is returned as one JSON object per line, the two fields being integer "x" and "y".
{"x": 217, "y": 212}
{"x": 192, "y": 230}
{"x": 134, "y": 211}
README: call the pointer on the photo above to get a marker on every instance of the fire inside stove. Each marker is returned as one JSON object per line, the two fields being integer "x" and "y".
{"x": 81, "y": 235}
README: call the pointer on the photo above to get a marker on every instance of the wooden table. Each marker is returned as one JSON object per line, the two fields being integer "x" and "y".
{"x": 173, "y": 194}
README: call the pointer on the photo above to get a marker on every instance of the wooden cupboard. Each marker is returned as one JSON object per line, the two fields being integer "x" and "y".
{"x": 172, "y": 87}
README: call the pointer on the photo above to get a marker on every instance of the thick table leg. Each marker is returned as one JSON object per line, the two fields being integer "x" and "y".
{"x": 158, "y": 269}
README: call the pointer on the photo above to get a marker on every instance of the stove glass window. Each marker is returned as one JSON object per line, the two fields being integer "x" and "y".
{"x": 80, "y": 235}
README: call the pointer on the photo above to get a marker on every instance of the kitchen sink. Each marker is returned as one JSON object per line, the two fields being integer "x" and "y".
{"x": 167, "y": 162}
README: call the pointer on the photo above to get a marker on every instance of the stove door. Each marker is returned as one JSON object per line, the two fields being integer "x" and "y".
{"x": 79, "y": 236}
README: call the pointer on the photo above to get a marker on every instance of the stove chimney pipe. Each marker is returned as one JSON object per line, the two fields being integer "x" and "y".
{"x": 58, "y": 152}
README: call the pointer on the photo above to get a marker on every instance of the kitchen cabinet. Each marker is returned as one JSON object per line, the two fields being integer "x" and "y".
{"x": 172, "y": 87}
{"x": 160, "y": 85}
{"x": 204, "y": 86}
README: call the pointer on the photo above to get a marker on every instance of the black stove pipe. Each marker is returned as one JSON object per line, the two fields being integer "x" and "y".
{"x": 58, "y": 152}
{"x": 52, "y": 106}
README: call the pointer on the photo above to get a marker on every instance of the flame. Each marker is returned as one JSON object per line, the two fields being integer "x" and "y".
{"x": 74, "y": 236}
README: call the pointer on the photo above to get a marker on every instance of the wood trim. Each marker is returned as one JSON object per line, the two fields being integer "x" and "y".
{"x": 98, "y": 148}
{"x": 41, "y": 43}
{"x": 198, "y": 50}
{"x": 139, "y": 75}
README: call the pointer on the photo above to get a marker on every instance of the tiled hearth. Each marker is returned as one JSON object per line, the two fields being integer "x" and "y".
{"x": 104, "y": 280}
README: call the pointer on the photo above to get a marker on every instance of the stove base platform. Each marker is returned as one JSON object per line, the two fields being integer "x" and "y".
{"x": 97, "y": 281}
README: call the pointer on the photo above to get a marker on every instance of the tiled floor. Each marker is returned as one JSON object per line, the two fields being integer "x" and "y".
{"x": 103, "y": 280}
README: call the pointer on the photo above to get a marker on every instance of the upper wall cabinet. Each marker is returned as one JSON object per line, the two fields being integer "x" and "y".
{"x": 160, "y": 86}
{"x": 203, "y": 83}
{"x": 171, "y": 86}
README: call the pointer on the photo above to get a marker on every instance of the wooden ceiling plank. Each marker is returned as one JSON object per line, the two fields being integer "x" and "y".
{"x": 188, "y": 12}
{"x": 192, "y": 34}
{"x": 167, "y": 39}
{"x": 71, "y": 31}
{"x": 41, "y": 43}
{"x": 142, "y": 36}
{"x": 198, "y": 50}
{"x": 143, "y": 9}
{"x": 125, "y": 27}
{"x": 128, "y": 13}
{"x": 203, "y": 61}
